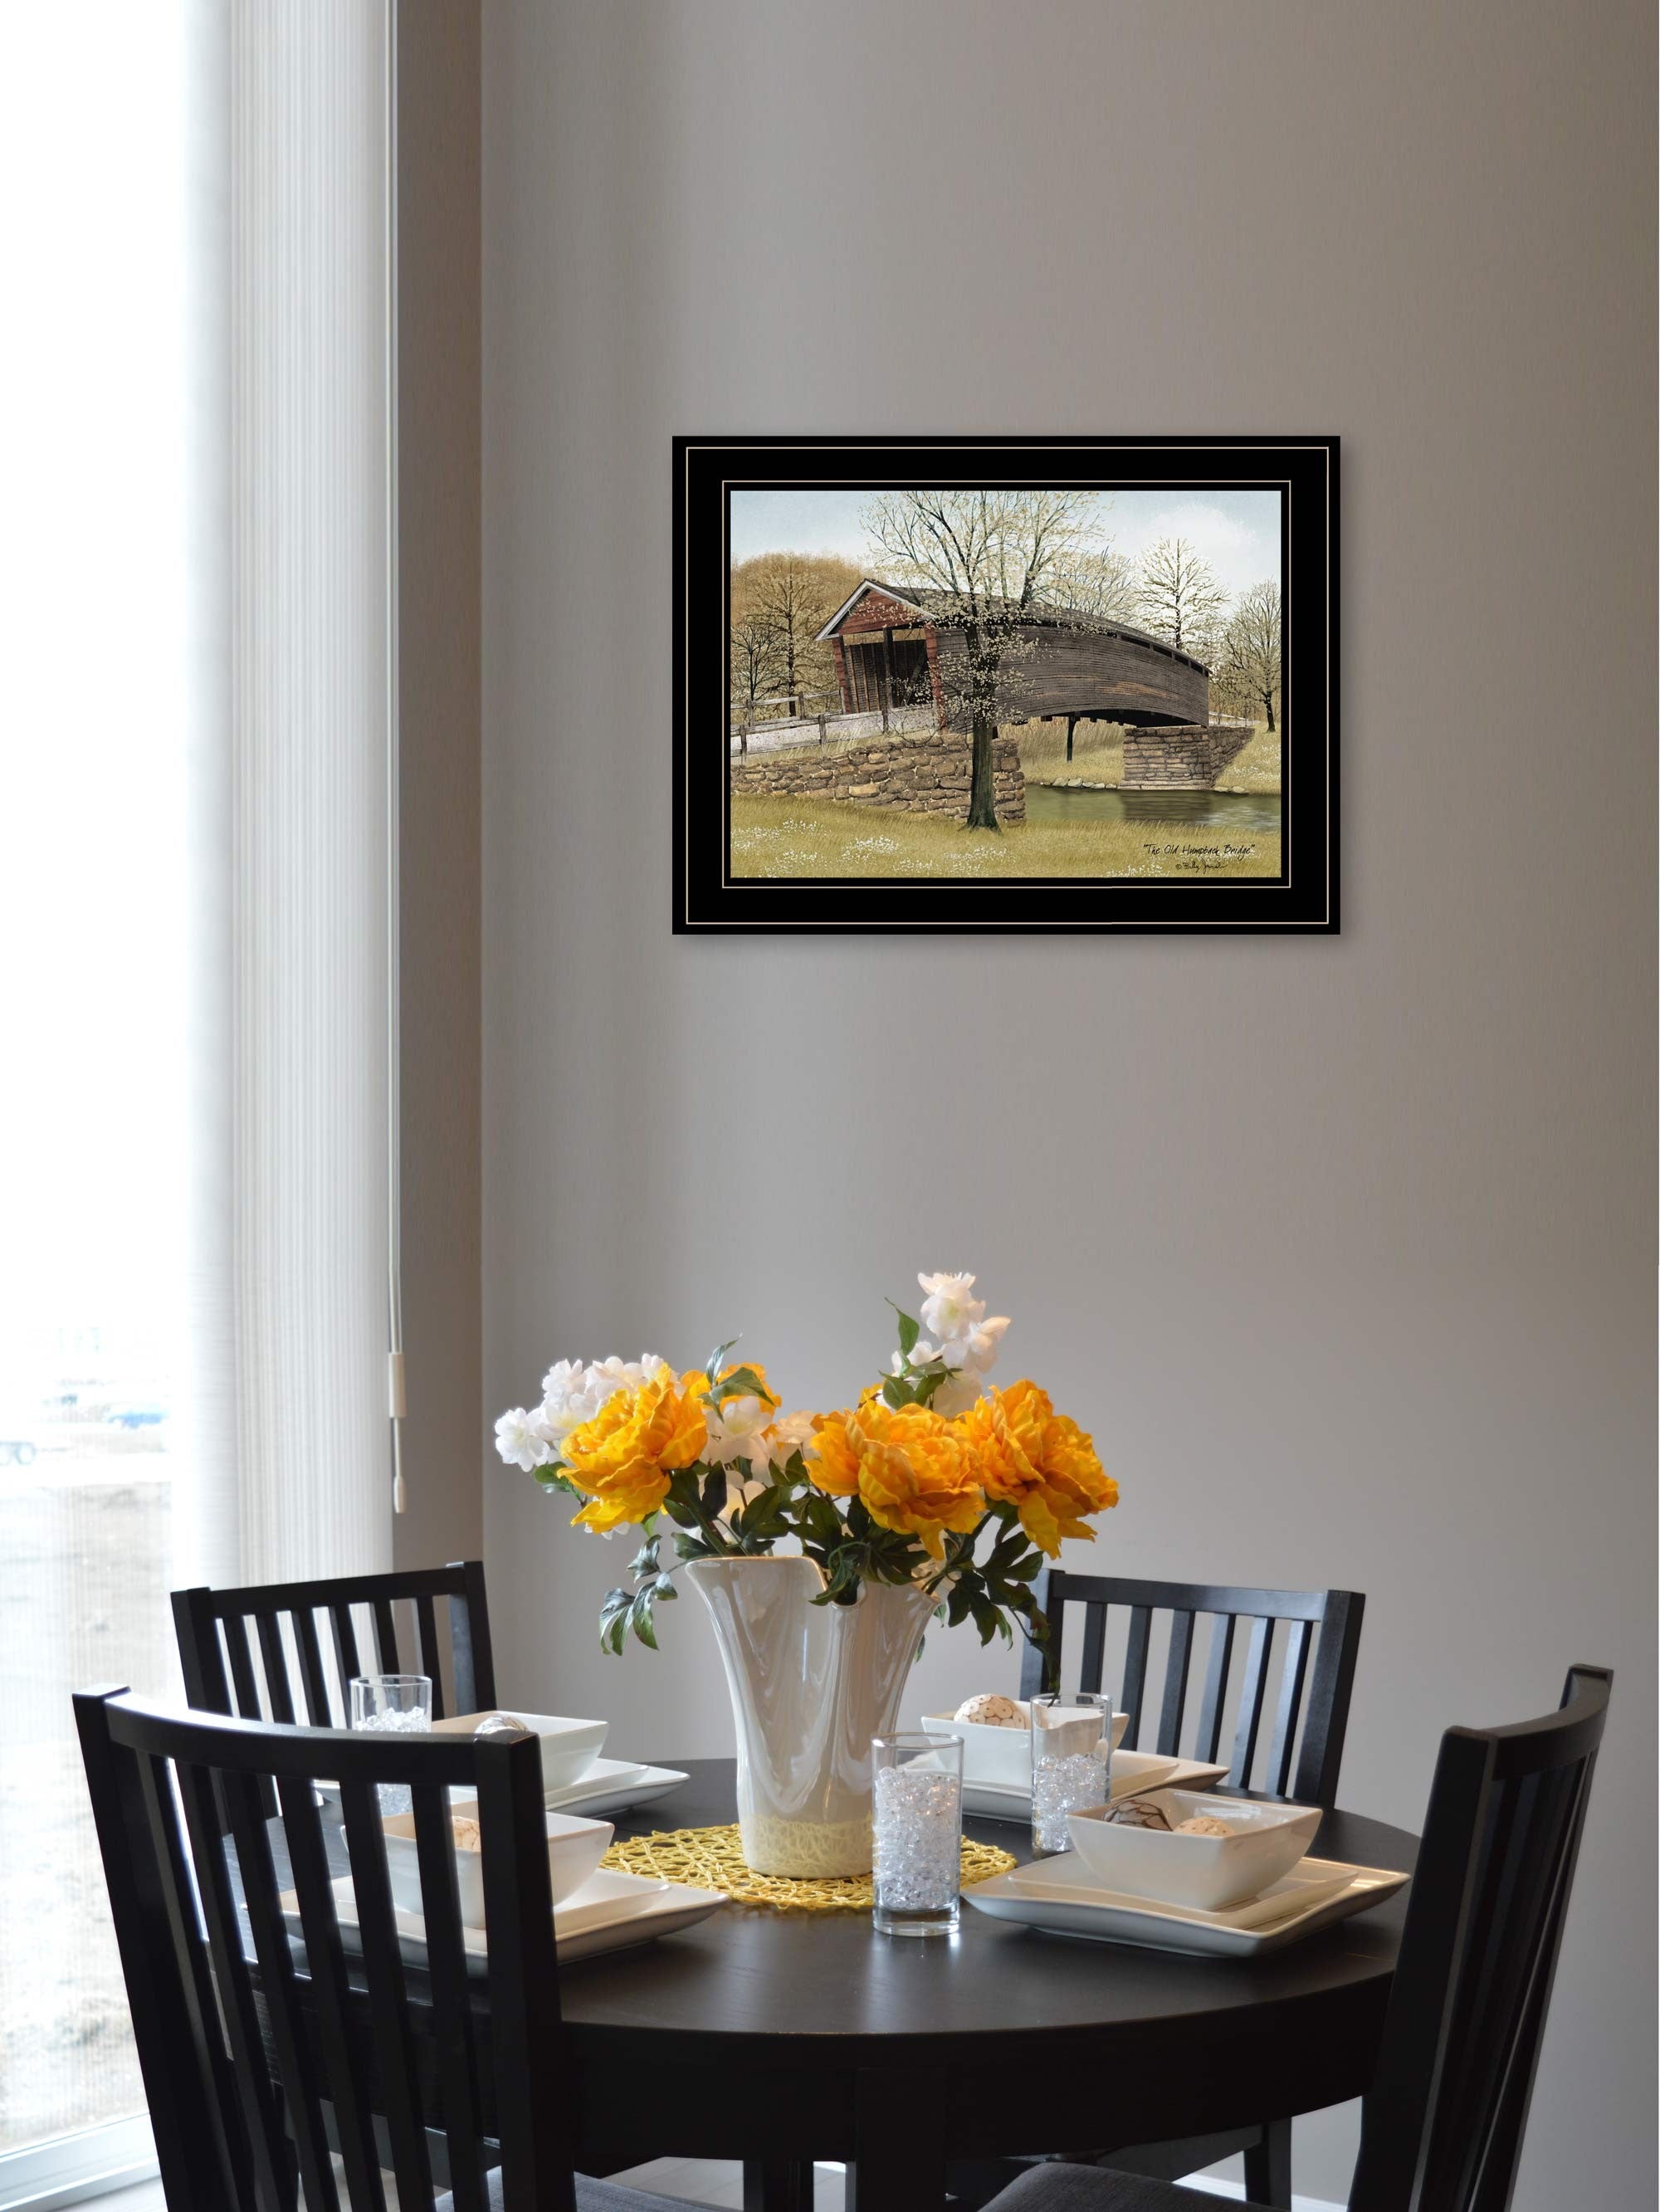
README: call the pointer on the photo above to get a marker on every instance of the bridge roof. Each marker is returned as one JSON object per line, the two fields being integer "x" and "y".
{"x": 937, "y": 606}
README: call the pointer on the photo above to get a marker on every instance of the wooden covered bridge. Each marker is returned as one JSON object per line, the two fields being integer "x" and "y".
{"x": 895, "y": 649}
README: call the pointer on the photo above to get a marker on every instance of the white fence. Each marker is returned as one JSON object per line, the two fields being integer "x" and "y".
{"x": 824, "y": 729}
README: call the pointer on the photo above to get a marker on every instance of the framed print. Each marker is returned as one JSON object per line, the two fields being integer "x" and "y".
{"x": 1022, "y": 684}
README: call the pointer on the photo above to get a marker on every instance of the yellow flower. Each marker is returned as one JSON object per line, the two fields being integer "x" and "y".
{"x": 625, "y": 1456}
{"x": 1041, "y": 1462}
{"x": 908, "y": 1468}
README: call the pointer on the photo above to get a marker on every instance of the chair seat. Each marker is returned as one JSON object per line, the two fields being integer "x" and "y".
{"x": 591, "y": 2196}
{"x": 1057, "y": 2188}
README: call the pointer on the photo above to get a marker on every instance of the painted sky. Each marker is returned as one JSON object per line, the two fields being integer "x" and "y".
{"x": 1237, "y": 531}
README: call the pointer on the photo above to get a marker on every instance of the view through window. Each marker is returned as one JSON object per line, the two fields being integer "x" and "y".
{"x": 96, "y": 1104}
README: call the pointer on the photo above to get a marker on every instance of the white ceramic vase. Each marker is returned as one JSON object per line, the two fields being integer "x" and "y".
{"x": 810, "y": 1684}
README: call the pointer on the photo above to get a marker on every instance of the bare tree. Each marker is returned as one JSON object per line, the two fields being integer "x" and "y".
{"x": 752, "y": 671}
{"x": 794, "y": 595}
{"x": 1178, "y": 598}
{"x": 1251, "y": 648}
{"x": 984, "y": 554}
{"x": 1095, "y": 582}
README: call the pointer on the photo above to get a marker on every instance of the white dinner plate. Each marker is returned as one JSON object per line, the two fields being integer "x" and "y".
{"x": 610, "y": 1912}
{"x": 1060, "y": 1896}
{"x": 1133, "y": 1771}
{"x": 611, "y": 1785}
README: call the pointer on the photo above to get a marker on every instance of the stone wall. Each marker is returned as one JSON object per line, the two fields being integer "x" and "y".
{"x": 926, "y": 775}
{"x": 1181, "y": 758}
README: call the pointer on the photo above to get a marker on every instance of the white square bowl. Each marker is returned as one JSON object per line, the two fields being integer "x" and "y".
{"x": 575, "y": 1848}
{"x": 1208, "y": 1872}
{"x": 570, "y": 1747}
{"x": 1001, "y": 1756}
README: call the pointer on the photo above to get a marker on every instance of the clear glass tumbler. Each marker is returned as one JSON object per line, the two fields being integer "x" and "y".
{"x": 392, "y": 1705}
{"x": 1071, "y": 1762}
{"x": 917, "y": 1835}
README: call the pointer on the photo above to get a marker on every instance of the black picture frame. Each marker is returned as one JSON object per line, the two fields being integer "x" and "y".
{"x": 1302, "y": 900}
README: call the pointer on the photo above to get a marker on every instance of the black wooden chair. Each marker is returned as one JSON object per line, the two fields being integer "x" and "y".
{"x": 1313, "y": 1673}
{"x": 231, "y": 1641}
{"x": 1304, "y": 1643}
{"x": 1445, "y": 2115}
{"x": 284, "y": 2058}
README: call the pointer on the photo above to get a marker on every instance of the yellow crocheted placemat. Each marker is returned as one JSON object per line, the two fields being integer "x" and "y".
{"x": 713, "y": 1858}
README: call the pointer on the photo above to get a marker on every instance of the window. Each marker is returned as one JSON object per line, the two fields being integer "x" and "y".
{"x": 94, "y": 1113}
{"x": 195, "y": 624}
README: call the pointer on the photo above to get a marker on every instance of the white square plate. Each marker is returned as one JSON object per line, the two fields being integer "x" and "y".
{"x": 610, "y": 1912}
{"x": 611, "y": 1785}
{"x": 1060, "y": 1896}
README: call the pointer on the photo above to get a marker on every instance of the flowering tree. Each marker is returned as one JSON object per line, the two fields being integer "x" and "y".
{"x": 903, "y": 1487}
{"x": 1097, "y": 581}
{"x": 986, "y": 553}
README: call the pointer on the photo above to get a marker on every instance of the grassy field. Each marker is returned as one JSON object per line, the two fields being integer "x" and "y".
{"x": 785, "y": 837}
{"x": 1097, "y": 752}
{"x": 1257, "y": 769}
{"x": 1097, "y": 756}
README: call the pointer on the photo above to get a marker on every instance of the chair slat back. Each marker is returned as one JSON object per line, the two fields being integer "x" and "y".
{"x": 1285, "y": 1630}
{"x": 295, "y": 2048}
{"x": 256, "y": 1652}
{"x": 1444, "y": 2120}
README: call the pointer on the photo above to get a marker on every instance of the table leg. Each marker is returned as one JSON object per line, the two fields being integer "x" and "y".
{"x": 899, "y": 2142}
{"x": 777, "y": 2184}
{"x": 1268, "y": 2167}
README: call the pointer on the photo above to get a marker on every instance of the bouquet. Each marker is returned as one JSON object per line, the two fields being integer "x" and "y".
{"x": 935, "y": 1477}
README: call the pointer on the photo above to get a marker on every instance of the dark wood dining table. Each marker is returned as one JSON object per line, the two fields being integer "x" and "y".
{"x": 777, "y": 2038}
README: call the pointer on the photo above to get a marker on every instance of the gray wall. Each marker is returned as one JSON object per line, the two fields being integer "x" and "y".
{"x": 438, "y": 485}
{"x": 1342, "y": 1248}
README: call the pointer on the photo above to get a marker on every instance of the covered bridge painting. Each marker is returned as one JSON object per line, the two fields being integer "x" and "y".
{"x": 895, "y": 649}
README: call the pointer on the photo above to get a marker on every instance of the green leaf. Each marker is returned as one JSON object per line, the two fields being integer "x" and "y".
{"x": 639, "y": 1618}
{"x": 644, "y": 1561}
{"x": 742, "y": 1382}
{"x": 895, "y": 1392}
{"x": 712, "y": 1367}
{"x": 909, "y": 1330}
{"x": 663, "y": 1588}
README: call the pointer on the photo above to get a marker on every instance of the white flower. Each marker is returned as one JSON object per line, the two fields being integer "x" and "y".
{"x": 569, "y": 1397}
{"x": 984, "y": 1344}
{"x": 573, "y": 1393}
{"x": 524, "y": 1440}
{"x": 958, "y": 1394}
{"x": 949, "y": 1309}
{"x": 795, "y": 1432}
{"x": 740, "y": 1428}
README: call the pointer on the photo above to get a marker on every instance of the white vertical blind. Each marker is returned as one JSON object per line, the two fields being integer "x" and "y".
{"x": 305, "y": 989}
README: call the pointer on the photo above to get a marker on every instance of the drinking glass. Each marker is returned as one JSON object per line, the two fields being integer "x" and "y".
{"x": 1071, "y": 1762}
{"x": 392, "y": 1705}
{"x": 397, "y": 1704}
{"x": 917, "y": 1833}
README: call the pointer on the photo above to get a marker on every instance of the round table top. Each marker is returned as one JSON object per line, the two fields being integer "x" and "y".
{"x": 816, "y": 1988}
